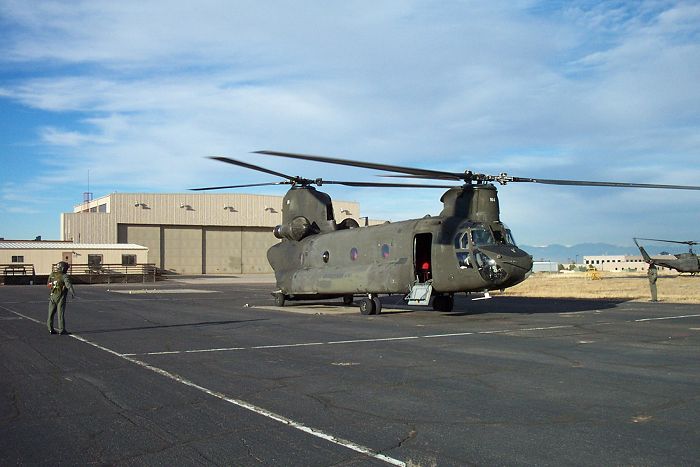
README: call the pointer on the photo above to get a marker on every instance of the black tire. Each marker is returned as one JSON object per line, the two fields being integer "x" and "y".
{"x": 279, "y": 298}
{"x": 348, "y": 299}
{"x": 377, "y": 306}
{"x": 366, "y": 306}
{"x": 443, "y": 303}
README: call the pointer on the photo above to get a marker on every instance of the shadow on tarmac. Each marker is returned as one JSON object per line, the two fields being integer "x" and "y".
{"x": 203, "y": 323}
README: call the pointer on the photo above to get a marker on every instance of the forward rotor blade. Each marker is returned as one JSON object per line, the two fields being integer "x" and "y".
{"x": 547, "y": 181}
{"x": 423, "y": 173}
{"x": 228, "y": 160}
{"x": 239, "y": 186}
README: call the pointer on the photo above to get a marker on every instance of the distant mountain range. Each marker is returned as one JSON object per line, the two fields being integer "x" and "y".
{"x": 567, "y": 254}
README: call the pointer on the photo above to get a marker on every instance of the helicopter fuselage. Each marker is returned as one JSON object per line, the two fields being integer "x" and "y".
{"x": 452, "y": 254}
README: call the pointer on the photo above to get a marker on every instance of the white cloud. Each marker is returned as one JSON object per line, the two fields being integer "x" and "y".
{"x": 149, "y": 89}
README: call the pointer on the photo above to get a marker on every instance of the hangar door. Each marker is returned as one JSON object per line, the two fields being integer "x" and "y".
{"x": 222, "y": 250}
{"x": 183, "y": 250}
{"x": 203, "y": 250}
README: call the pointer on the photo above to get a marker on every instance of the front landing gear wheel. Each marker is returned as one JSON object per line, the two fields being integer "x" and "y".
{"x": 443, "y": 303}
{"x": 367, "y": 306}
{"x": 377, "y": 305}
{"x": 279, "y": 298}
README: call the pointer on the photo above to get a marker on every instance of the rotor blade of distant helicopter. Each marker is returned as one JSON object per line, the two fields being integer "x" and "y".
{"x": 239, "y": 186}
{"x": 688, "y": 242}
{"x": 228, "y": 160}
{"x": 425, "y": 173}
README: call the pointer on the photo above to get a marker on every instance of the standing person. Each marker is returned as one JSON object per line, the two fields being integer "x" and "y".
{"x": 59, "y": 283}
{"x": 652, "y": 274}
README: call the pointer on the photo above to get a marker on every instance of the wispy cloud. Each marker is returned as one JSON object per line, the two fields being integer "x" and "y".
{"x": 578, "y": 90}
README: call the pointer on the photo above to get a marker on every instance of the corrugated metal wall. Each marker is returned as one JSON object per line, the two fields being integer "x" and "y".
{"x": 189, "y": 233}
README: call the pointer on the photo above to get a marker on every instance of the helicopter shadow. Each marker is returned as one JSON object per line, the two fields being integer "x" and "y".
{"x": 465, "y": 306}
{"x": 531, "y": 305}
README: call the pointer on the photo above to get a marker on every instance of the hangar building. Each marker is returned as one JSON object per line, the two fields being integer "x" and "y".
{"x": 188, "y": 233}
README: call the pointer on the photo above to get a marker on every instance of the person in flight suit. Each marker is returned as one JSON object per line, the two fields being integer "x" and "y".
{"x": 59, "y": 283}
{"x": 652, "y": 274}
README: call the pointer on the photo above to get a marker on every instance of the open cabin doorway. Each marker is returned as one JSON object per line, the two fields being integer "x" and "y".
{"x": 422, "y": 261}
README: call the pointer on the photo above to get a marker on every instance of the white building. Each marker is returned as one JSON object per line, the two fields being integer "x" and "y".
{"x": 38, "y": 257}
{"x": 620, "y": 262}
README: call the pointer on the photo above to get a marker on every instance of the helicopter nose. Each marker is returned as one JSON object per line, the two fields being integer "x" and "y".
{"x": 514, "y": 262}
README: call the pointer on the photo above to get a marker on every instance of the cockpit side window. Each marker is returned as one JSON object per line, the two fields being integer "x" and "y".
{"x": 509, "y": 238}
{"x": 462, "y": 241}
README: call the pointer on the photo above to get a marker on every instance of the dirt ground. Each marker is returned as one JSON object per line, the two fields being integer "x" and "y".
{"x": 630, "y": 286}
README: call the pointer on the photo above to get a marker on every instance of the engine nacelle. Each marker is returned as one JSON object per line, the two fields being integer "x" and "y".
{"x": 296, "y": 229}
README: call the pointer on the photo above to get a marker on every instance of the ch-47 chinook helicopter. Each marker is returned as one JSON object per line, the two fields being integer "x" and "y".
{"x": 684, "y": 262}
{"x": 466, "y": 248}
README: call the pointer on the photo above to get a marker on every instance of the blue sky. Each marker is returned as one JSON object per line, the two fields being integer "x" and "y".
{"x": 139, "y": 93}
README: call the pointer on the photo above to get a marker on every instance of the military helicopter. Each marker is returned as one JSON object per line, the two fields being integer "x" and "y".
{"x": 464, "y": 249}
{"x": 684, "y": 262}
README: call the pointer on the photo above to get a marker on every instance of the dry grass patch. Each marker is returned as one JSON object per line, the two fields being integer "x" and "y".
{"x": 629, "y": 286}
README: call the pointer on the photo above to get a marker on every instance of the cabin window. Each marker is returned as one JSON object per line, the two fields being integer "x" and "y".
{"x": 354, "y": 254}
{"x": 326, "y": 256}
{"x": 385, "y": 251}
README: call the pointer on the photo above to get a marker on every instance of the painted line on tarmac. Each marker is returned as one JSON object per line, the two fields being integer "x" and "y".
{"x": 352, "y": 341}
{"x": 238, "y": 402}
{"x": 666, "y": 317}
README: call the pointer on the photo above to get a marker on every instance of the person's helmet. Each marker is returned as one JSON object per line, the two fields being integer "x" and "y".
{"x": 62, "y": 266}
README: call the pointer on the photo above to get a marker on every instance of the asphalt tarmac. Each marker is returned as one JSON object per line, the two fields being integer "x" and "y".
{"x": 211, "y": 373}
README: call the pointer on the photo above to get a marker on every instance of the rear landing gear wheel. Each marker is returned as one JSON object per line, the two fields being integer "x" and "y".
{"x": 367, "y": 306}
{"x": 348, "y": 299}
{"x": 279, "y": 298}
{"x": 443, "y": 303}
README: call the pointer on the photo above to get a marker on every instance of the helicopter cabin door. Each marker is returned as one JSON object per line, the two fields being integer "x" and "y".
{"x": 422, "y": 261}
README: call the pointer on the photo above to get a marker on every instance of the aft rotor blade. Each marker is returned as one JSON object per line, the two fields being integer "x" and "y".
{"x": 689, "y": 242}
{"x": 547, "y": 181}
{"x": 423, "y": 173}
{"x": 239, "y": 186}
{"x": 228, "y": 160}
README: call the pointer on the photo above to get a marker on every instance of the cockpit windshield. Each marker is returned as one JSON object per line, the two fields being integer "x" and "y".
{"x": 482, "y": 237}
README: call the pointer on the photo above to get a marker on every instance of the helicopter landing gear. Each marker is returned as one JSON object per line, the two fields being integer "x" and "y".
{"x": 377, "y": 305}
{"x": 443, "y": 303}
{"x": 370, "y": 305}
{"x": 279, "y": 298}
{"x": 348, "y": 299}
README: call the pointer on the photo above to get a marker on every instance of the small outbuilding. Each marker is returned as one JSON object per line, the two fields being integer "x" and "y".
{"x": 23, "y": 257}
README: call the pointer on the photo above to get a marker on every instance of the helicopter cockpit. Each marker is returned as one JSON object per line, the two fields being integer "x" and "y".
{"x": 469, "y": 241}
